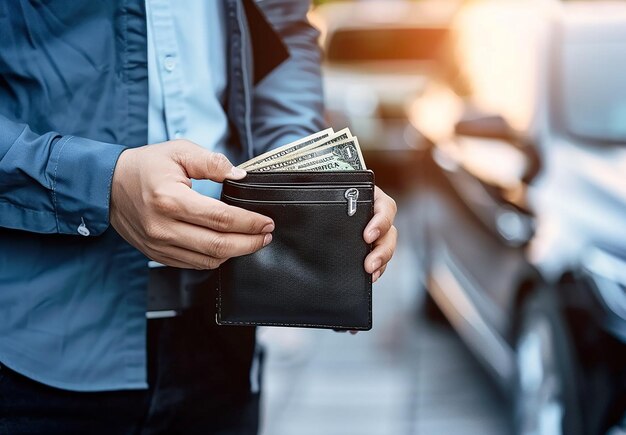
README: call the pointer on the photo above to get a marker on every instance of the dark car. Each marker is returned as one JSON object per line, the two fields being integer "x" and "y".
{"x": 524, "y": 213}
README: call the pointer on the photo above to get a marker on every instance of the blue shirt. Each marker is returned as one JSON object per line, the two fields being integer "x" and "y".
{"x": 187, "y": 76}
{"x": 74, "y": 94}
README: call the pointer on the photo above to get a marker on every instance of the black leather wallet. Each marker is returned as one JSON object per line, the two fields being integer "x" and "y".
{"x": 311, "y": 274}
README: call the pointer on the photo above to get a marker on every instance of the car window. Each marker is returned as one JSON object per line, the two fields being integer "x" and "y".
{"x": 386, "y": 44}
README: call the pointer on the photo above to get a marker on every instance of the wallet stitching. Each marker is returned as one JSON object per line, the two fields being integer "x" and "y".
{"x": 300, "y": 186}
{"x": 281, "y": 201}
{"x": 370, "y": 275}
{"x": 230, "y": 322}
{"x": 219, "y": 293}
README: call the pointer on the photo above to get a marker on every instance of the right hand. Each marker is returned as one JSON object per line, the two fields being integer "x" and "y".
{"x": 154, "y": 208}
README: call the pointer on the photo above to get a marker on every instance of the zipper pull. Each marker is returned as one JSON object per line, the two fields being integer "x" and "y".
{"x": 352, "y": 195}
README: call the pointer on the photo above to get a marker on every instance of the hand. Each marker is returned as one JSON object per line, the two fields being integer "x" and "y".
{"x": 154, "y": 208}
{"x": 381, "y": 232}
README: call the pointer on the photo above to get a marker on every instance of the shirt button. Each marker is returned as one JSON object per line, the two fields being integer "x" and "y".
{"x": 178, "y": 134}
{"x": 83, "y": 230}
{"x": 169, "y": 63}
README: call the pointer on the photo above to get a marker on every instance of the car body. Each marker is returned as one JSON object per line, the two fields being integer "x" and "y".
{"x": 524, "y": 215}
{"x": 379, "y": 56}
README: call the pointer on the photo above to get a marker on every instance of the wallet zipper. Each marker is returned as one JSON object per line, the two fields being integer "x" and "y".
{"x": 351, "y": 195}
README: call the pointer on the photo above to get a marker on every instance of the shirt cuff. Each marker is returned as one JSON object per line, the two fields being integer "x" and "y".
{"x": 81, "y": 184}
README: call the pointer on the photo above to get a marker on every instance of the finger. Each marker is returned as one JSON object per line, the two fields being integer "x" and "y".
{"x": 202, "y": 164}
{"x": 384, "y": 213}
{"x": 186, "y": 259}
{"x": 382, "y": 252}
{"x": 216, "y": 244}
{"x": 210, "y": 213}
{"x": 377, "y": 274}
{"x": 351, "y": 331}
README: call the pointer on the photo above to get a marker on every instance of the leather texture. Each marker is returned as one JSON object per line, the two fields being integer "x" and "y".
{"x": 311, "y": 274}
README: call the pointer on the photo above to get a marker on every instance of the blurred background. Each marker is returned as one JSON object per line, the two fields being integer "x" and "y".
{"x": 499, "y": 126}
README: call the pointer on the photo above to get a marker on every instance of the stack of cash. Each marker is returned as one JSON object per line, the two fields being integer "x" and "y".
{"x": 322, "y": 151}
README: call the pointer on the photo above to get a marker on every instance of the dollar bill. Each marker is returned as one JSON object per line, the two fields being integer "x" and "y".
{"x": 340, "y": 136}
{"x": 288, "y": 149}
{"x": 324, "y": 164}
{"x": 322, "y": 151}
{"x": 346, "y": 156}
{"x": 347, "y": 153}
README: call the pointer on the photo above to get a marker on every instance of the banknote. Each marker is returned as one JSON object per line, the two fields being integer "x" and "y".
{"x": 323, "y": 151}
{"x": 340, "y": 136}
{"x": 292, "y": 147}
{"x": 345, "y": 156}
{"x": 346, "y": 153}
{"x": 325, "y": 164}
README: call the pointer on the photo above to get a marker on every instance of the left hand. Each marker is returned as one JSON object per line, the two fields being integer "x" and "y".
{"x": 381, "y": 232}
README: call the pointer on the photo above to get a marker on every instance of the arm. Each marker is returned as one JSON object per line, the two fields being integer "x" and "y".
{"x": 288, "y": 103}
{"x": 52, "y": 183}
{"x": 49, "y": 182}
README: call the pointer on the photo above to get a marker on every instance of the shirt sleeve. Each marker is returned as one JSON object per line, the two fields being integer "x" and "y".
{"x": 288, "y": 103}
{"x": 52, "y": 183}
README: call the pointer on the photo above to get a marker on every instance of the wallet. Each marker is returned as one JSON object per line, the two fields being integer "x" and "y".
{"x": 311, "y": 274}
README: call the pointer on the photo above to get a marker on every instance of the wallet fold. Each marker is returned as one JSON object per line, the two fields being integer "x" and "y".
{"x": 312, "y": 273}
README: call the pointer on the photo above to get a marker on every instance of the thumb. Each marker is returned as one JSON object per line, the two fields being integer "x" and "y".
{"x": 202, "y": 164}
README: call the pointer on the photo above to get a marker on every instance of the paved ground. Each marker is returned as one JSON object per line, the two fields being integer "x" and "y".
{"x": 405, "y": 377}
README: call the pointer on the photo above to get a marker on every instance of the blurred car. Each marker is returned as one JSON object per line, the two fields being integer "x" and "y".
{"x": 379, "y": 56}
{"x": 523, "y": 220}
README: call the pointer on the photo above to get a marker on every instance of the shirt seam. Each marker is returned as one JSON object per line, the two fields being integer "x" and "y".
{"x": 61, "y": 146}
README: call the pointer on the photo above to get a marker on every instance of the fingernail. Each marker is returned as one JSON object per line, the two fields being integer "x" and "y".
{"x": 373, "y": 234}
{"x": 267, "y": 239}
{"x": 236, "y": 172}
{"x": 268, "y": 228}
{"x": 376, "y": 276}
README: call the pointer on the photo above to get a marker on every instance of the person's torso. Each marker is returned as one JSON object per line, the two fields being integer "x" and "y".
{"x": 72, "y": 309}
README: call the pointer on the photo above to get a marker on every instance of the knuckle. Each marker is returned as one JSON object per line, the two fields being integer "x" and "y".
{"x": 164, "y": 202}
{"x": 255, "y": 225}
{"x": 258, "y": 243}
{"x": 394, "y": 205}
{"x": 181, "y": 145}
{"x": 223, "y": 220}
{"x": 151, "y": 231}
{"x": 212, "y": 263}
{"x": 155, "y": 233}
{"x": 388, "y": 253}
{"x": 219, "y": 247}
{"x": 387, "y": 221}
{"x": 219, "y": 162}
